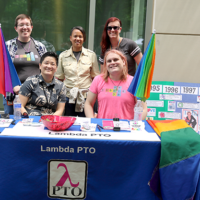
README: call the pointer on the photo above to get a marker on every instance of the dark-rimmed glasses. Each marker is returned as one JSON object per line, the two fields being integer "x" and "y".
{"x": 109, "y": 28}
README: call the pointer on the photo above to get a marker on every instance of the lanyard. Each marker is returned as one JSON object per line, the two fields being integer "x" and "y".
{"x": 48, "y": 102}
{"x": 26, "y": 51}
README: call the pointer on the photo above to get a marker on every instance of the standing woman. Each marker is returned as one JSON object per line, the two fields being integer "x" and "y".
{"x": 112, "y": 40}
{"x": 25, "y": 53}
{"x": 77, "y": 67}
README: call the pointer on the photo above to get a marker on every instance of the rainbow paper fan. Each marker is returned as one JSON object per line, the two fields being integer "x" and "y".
{"x": 141, "y": 83}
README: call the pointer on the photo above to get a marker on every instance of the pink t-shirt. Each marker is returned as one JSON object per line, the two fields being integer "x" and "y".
{"x": 114, "y": 101}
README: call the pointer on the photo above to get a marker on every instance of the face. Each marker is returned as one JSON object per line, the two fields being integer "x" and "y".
{"x": 114, "y": 63}
{"x": 77, "y": 40}
{"x": 24, "y": 29}
{"x": 189, "y": 114}
{"x": 114, "y": 33}
{"x": 48, "y": 66}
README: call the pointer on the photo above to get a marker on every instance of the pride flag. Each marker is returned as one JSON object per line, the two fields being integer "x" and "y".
{"x": 141, "y": 84}
{"x": 8, "y": 78}
{"x": 177, "y": 175}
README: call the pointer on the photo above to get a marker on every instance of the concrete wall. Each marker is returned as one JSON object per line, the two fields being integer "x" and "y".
{"x": 177, "y": 40}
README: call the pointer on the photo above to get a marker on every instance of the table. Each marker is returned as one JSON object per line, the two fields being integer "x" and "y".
{"x": 70, "y": 168}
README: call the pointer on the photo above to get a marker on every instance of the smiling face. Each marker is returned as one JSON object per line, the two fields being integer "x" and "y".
{"x": 114, "y": 64}
{"x": 48, "y": 67}
{"x": 189, "y": 115}
{"x": 77, "y": 40}
{"x": 114, "y": 33}
{"x": 24, "y": 29}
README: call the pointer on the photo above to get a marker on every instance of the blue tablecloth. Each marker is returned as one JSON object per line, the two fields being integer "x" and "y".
{"x": 111, "y": 169}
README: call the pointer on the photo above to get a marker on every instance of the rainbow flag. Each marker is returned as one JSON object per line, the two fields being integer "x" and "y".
{"x": 8, "y": 78}
{"x": 177, "y": 175}
{"x": 141, "y": 84}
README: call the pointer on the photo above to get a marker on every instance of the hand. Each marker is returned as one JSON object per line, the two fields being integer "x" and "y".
{"x": 16, "y": 89}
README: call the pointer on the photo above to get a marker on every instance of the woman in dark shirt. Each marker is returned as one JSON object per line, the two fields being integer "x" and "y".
{"x": 111, "y": 40}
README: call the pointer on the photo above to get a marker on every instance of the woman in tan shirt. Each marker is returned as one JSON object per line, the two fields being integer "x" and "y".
{"x": 77, "y": 67}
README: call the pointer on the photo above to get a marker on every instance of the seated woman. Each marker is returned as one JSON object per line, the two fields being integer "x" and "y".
{"x": 43, "y": 94}
{"x": 110, "y": 88}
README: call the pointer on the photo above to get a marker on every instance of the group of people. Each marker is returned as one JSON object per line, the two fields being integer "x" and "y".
{"x": 72, "y": 84}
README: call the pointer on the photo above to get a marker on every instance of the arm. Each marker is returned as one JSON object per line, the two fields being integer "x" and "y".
{"x": 144, "y": 114}
{"x": 61, "y": 100}
{"x": 138, "y": 58}
{"x": 24, "y": 101}
{"x": 60, "y": 109}
{"x": 193, "y": 124}
{"x": 95, "y": 67}
{"x": 60, "y": 71}
{"x": 89, "y": 104}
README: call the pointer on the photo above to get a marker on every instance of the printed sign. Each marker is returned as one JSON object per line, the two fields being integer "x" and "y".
{"x": 156, "y": 88}
{"x": 171, "y": 115}
{"x": 187, "y": 105}
{"x": 67, "y": 179}
{"x": 171, "y": 105}
{"x": 153, "y": 103}
{"x": 170, "y": 97}
{"x": 189, "y": 90}
{"x": 151, "y": 112}
{"x": 171, "y": 89}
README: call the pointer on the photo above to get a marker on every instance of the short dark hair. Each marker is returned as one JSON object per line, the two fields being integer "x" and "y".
{"x": 81, "y": 30}
{"x": 22, "y": 16}
{"x": 50, "y": 54}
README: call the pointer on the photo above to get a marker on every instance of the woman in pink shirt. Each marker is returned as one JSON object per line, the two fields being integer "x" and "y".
{"x": 110, "y": 89}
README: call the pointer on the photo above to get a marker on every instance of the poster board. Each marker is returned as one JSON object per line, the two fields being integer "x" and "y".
{"x": 175, "y": 100}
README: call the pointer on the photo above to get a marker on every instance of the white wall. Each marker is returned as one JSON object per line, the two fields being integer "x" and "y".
{"x": 177, "y": 24}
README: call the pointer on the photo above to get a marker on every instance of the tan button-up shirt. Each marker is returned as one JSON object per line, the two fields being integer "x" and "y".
{"x": 77, "y": 74}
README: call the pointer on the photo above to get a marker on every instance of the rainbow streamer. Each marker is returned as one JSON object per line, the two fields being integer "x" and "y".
{"x": 8, "y": 76}
{"x": 141, "y": 84}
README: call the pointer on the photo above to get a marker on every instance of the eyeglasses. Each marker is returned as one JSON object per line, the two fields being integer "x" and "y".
{"x": 21, "y": 25}
{"x": 109, "y": 28}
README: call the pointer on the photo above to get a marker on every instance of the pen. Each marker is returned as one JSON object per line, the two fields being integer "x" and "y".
{"x": 99, "y": 128}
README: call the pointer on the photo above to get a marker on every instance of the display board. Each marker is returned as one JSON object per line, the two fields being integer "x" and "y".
{"x": 175, "y": 100}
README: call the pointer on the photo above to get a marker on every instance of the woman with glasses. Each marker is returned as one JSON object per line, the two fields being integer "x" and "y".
{"x": 77, "y": 67}
{"x": 110, "y": 89}
{"x": 111, "y": 40}
{"x": 25, "y": 53}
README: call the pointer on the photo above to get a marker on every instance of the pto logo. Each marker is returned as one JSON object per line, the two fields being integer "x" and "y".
{"x": 67, "y": 179}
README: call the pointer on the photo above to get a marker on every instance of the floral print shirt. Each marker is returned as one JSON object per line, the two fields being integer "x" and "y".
{"x": 43, "y": 97}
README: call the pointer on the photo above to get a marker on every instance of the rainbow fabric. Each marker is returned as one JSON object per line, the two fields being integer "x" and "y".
{"x": 177, "y": 175}
{"x": 8, "y": 78}
{"x": 141, "y": 84}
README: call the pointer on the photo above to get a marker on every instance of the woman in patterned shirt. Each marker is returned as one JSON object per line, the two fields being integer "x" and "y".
{"x": 43, "y": 94}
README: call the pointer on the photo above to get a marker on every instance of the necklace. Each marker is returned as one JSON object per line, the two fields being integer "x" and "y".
{"x": 117, "y": 44}
{"x": 115, "y": 86}
{"x": 28, "y": 50}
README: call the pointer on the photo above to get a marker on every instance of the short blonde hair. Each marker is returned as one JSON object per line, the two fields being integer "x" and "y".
{"x": 105, "y": 73}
